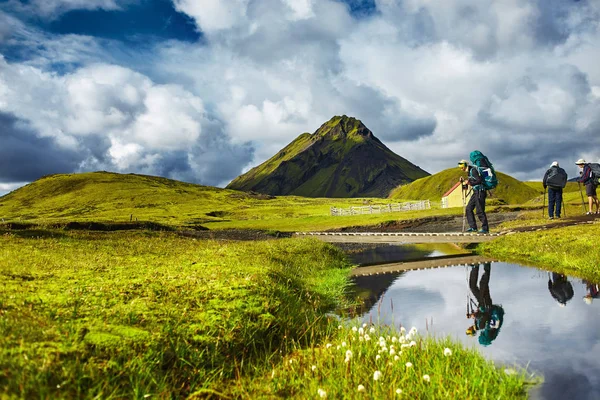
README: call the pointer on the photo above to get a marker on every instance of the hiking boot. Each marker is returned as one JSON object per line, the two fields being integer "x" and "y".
{"x": 483, "y": 231}
{"x": 558, "y": 217}
{"x": 471, "y": 230}
{"x": 551, "y": 218}
{"x": 589, "y": 213}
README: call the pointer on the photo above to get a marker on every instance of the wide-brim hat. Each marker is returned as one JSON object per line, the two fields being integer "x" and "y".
{"x": 463, "y": 162}
{"x": 581, "y": 161}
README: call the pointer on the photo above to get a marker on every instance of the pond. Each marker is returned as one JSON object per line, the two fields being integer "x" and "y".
{"x": 523, "y": 316}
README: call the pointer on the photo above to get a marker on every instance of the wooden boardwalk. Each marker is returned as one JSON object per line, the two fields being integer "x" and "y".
{"x": 428, "y": 263}
{"x": 398, "y": 237}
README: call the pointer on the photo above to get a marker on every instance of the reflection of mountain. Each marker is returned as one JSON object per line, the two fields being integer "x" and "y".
{"x": 369, "y": 289}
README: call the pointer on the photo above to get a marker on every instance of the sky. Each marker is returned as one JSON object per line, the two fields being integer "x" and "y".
{"x": 203, "y": 90}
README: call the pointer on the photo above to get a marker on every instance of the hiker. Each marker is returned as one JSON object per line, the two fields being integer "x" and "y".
{"x": 555, "y": 180}
{"x": 593, "y": 291}
{"x": 560, "y": 288}
{"x": 590, "y": 186}
{"x": 487, "y": 316}
{"x": 477, "y": 200}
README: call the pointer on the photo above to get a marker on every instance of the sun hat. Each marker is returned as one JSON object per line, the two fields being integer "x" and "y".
{"x": 463, "y": 162}
{"x": 580, "y": 161}
{"x": 555, "y": 163}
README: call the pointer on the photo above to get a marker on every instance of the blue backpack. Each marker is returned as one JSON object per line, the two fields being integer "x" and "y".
{"x": 485, "y": 169}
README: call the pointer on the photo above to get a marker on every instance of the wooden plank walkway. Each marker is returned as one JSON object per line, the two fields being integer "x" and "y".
{"x": 429, "y": 263}
{"x": 398, "y": 237}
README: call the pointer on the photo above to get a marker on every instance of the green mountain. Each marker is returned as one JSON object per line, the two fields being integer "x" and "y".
{"x": 509, "y": 189}
{"x": 341, "y": 159}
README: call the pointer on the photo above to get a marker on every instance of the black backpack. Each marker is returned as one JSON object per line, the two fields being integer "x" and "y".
{"x": 557, "y": 177}
{"x": 595, "y": 173}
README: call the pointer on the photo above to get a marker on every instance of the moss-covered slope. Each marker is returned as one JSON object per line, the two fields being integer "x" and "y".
{"x": 509, "y": 190}
{"x": 341, "y": 159}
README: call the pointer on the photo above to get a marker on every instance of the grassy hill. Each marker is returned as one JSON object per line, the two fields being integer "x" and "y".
{"x": 116, "y": 198}
{"x": 509, "y": 190}
{"x": 341, "y": 159}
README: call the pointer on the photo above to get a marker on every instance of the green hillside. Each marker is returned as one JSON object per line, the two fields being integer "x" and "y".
{"x": 118, "y": 198}
{"x": 341, "y": 159}
{"x": 509, "y": 190}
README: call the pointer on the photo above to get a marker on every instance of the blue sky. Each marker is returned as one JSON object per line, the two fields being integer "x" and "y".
{"x": 202, "y": 90}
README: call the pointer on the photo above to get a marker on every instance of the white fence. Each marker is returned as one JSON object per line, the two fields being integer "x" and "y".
{"x": 380, "y": 209}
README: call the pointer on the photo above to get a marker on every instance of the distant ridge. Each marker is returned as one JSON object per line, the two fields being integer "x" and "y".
{"x": 340, "y": 159}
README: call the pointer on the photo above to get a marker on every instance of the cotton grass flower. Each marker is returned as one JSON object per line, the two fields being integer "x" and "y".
{"x": 372, "y": 330}
{"x": 447, "y": 352}
{"x": 367, "y": 337}
{"x": 364, "y": 325}
{"x": 339, "y": 327}
{"x": 398, "y": 391}
{"x": 361, "y": 331}
{"x": 408, "y": 364}
{"x": 322, "y": 394}
{"x": 376, "y": 375}
{"x": 396, "y": 358}
{"x": 377, "y": 357}
{"x": 313, "y": 368}
{"x": 426, "y": 378}
{"x": 360, "y": 388}
{"x": 392, "y": 352}
{"x": 354, "y": 329}
{"x": 343, "y": 344}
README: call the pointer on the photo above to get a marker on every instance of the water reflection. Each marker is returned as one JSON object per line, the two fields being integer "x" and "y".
{"x": 488, "y": 317}
{"x": 524, "y": 325}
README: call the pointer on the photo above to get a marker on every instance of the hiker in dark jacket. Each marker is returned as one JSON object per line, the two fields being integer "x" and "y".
{"x": 590, "y": 186}
{"x": 552, "y": 181}
{"x": 560, "y": 288}
{"x": 477, "y": 200}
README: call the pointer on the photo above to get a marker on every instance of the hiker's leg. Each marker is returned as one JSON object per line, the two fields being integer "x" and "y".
{"x": 473, "y": 275}
{"x": 590, "y": 202}
{"x": 484, "y": 285}
{"x": 480, "y": 206}
{"x": 469, "y": 210}
{"x": 551, "y": 201}
{"x": 558, "y": 199}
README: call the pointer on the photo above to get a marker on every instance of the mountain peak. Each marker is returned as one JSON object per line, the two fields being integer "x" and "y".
{"x": 343, "y": 127}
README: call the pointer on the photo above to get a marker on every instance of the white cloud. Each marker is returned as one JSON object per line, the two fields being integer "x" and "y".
{"x": 53, "y": 8}
{"x": 214, "y": 15}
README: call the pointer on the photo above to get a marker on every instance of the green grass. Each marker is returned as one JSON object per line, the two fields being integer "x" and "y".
{"x": 570, "y": 250}
{"x": 508, "y": 191}
{"x": 120, "y": 315}
{"x": 374, "y": 362}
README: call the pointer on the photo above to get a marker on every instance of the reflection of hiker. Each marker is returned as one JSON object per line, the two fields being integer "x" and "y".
{"x": 560, "y": 288}
{"x": 555, "y": 180}
{"x": 593, "y": 291}
{"x": 487, "y": 317}
{"x": 590, "y": 187}
{"x": 477, "y": 200}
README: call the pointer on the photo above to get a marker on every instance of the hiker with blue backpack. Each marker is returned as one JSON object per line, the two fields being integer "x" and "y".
{"x": 590, "y": 176}
{"x": 555, "y": 179}
{"x": 487, "y": 317}
{"x": 481, "y": 178}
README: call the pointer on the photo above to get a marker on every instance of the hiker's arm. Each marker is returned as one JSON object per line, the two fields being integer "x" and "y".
{"x": 545, "y": 179}
{"x": 474, "y": 177}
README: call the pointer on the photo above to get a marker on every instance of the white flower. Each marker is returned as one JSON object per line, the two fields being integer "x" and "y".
{"x": 377, "y": 357}
{"x": 367, "y": 337}
{"x": 413, "y": 343}
{"x": 408, "y": 364}
{"x": 426, "y": 378}
{"x": 364, "y": 325}
{"x": 348, "y": 354}
{"x": 343, "y": 344}
{"x": 361, "y": 338}
{"x": 339, "y": 327}
{"x": 372, "y": 330}
{"x": 414, "y": 330}
{"x": 392, "y": 352}
{"x": 404, "y": 345}
{"x": 354, "y": 329}
{"x": 314, "y": 367}
{"x": 328, "y": 345}
{"x": 396, "y": 358}
{"x": 337, "y": 347}
{"x": 447, "y": 352}
{"x": 398, "y": 391}
{"x": 322, "y": 393}
{"x": 361, "y": 388}
{"x": 347, "y": 360}
{"x": 381, "y": 339}
{"x": 291, "y": 360}
{"x": 361, "y": 331}
{"x": 376, "y": 375}
{"x": 394, "y": 339}
{"x": 403, "y": 330}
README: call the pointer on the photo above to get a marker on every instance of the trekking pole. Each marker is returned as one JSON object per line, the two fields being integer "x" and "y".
{"x": 564, "y": 208}
{"x": 582, "y": 203}
{"x": 462, "y": 189}
{"x": 544, "y": 204}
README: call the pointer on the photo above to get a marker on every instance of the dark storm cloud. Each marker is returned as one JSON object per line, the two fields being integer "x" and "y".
{"x": 26, "y": 157}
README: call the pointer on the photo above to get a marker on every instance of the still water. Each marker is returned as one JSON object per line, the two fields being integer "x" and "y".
{"x": 523, "y": 316}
